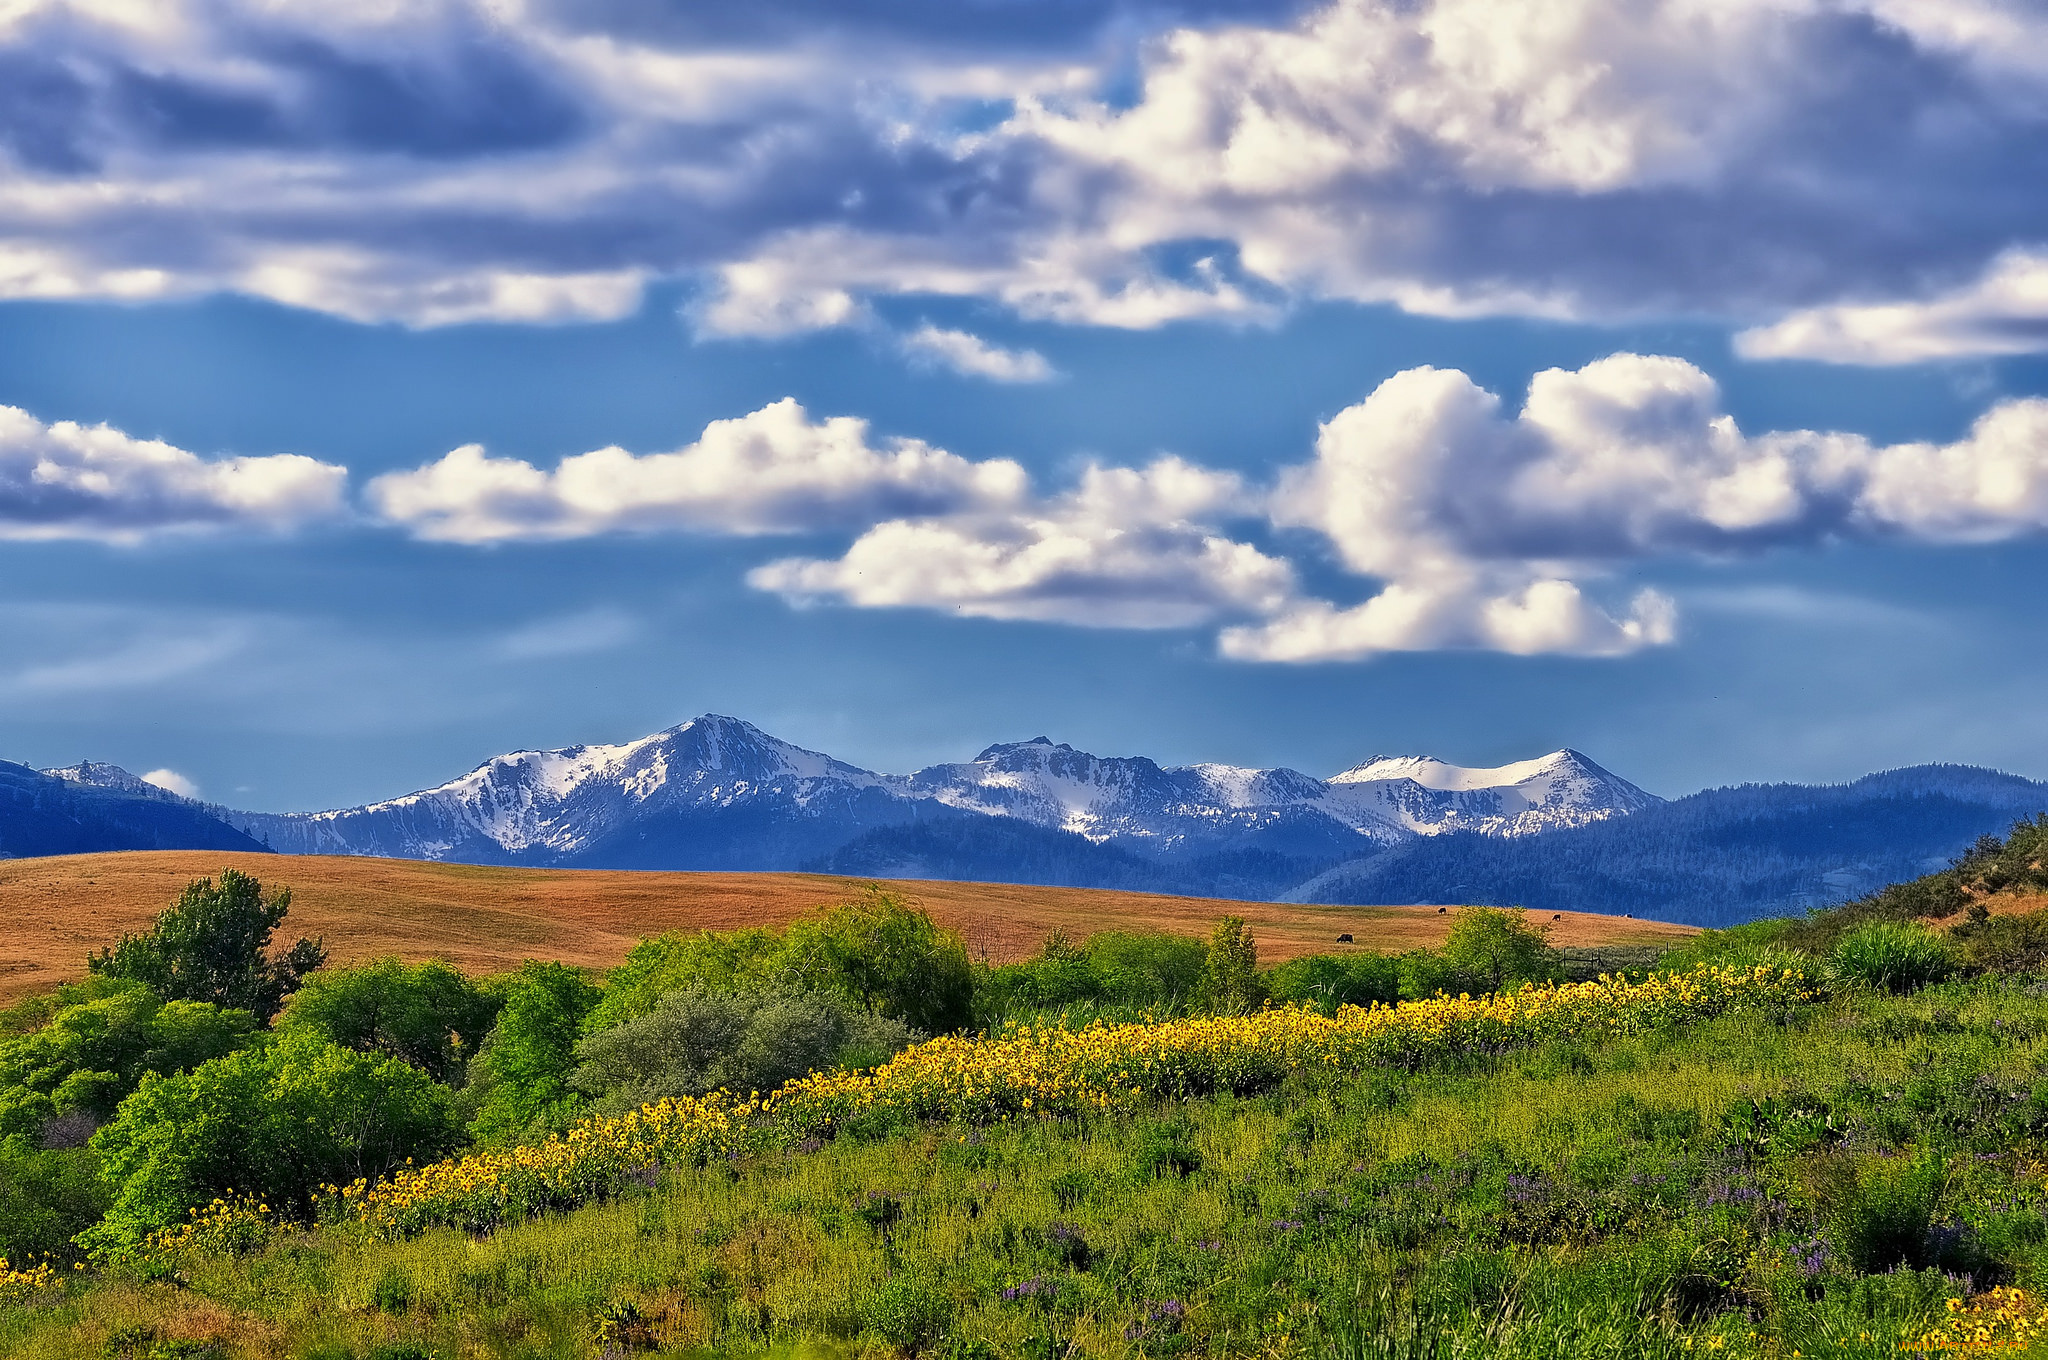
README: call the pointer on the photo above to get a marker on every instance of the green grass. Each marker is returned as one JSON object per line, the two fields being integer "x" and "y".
{"x": 1743, "y": 1187}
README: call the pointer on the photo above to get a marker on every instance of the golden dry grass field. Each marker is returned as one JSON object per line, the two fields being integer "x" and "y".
{"x": 53, "y": 911}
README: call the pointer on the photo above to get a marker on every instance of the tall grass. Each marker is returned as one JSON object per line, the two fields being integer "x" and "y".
{"x": 1898, "y": 956}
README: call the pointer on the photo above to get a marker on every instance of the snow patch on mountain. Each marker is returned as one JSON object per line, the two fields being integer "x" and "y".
{"x": 1431, "y": 796}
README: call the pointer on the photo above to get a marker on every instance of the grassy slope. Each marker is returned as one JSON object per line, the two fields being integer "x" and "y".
{"x": 1648, "y": 1220}
{"x": 53, "y": 911}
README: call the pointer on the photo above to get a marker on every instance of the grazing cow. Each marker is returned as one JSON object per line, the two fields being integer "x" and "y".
{"x": 1344, "y": 938}
{"x": 1557, "y": 916}
{"x": 1441, "y": 910}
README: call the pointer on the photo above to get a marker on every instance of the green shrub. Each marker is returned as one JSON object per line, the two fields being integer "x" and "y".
{"x": 1147, "y": 968}
{"x": 1327, "y": 981}
{"x": 1424, "y": 973}
{"x": 1884, "y": 1214}
{"x": 1743, "y": 946}
{"x": 47, "y": 1197}
{"x": 698, "y": 1040}
{"x": 909, "y": 1312}
{"x": 277, "y": 1122}
{"x": 1230, "y": 983}
{"x": 1127, "y": 973}
{"x": 393, "y": 1291}
{"x": 877, "y": 952}
{"x": 1896, "y": 956}
{"x": 2016, "y": 944}
{"x": 716, "y": 960}
{"x": 1165, "y": 1149}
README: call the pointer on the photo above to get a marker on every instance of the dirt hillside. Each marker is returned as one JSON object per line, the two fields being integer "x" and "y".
{"x": 53, "y": 911}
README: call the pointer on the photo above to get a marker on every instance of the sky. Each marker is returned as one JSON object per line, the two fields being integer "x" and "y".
{"x": 387, "y": 386}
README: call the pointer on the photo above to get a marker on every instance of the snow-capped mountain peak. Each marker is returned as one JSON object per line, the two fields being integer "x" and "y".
{"x": 719, "y": 792}
{"x": 1561, "y": 789}
{"x": 1432, "y": 773}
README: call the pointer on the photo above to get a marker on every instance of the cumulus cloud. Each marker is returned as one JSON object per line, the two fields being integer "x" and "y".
{"x": 1125, "y": 548}
{"x": 67, "y": 480}
{"x": 971, "y": 356}
{"x": 172, "y": 782}
{"x": 1481, "y": 525}
{"x": 1548, "y": 616}
{"x": 468, "y": 160}
{"x": 774, "y": 471}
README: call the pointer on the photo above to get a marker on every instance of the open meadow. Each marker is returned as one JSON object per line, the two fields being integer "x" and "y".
{"x": 484, "y": 919}
{"x": 841, "y": 1136}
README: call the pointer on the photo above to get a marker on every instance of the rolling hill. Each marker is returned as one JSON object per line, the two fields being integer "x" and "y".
{"x": 483, "y": 918}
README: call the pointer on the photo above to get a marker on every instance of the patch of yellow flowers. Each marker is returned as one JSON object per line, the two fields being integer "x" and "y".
{"x": 17, "y": 1283}
{"x": 1998, "y": 1320}
{"x": 1043, "y": 1070}
{"x": 230, "y": 1226}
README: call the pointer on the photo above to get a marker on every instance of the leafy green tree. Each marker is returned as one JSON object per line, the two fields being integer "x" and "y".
{"x": 1230, "y": 973}
{"x": 278, "y": 1121}
{"x": 882, "y": 954}
{"x": 92, "y": 1055}
{"x": 1131, "y": 971}
{"x": 719, "y": 960}
{"x": 1498, "y": 947}
{"x": 426, "y": 1014}
{"x": 210, "y": 946}
{"x": 521, "y": 1076}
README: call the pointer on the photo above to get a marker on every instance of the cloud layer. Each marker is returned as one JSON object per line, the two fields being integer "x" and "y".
{"x": 68, "y": 480}
{"x": 1789, "y": 164}
{"x": 1470, "y": 525}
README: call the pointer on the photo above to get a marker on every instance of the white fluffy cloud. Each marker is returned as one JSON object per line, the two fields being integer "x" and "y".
{"x": 973, "y": 357}
{"x": 1481, "y": 526}
{"x": 2005, "y": 311}
{"x": 67, "y": 480}
{"x": 775, "y": 471}
{"x": 532, "y": 162}
{"x": 1548, "y": 616}
{"x": 1126, "y": 548}
{"x": 172, "y": 782}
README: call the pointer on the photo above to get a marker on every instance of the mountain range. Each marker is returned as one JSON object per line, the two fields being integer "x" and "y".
{"x": 719, "y": 793}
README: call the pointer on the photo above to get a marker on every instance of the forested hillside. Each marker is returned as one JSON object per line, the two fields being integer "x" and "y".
{"x": 41, "y": 815}
{"x": 1712, "y": 859}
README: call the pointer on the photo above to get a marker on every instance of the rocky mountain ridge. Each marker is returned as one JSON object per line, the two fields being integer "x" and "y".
{"x": 718, "y": 789}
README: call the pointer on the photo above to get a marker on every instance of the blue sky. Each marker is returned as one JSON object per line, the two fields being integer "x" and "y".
{"x": 1267, "y": 384}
